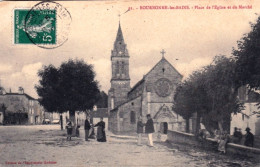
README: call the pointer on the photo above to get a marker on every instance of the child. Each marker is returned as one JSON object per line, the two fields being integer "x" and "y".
{"x": 159, "y": 136}
{"x": 69, "y": 130}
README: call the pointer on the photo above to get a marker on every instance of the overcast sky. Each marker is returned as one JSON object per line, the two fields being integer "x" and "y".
{"x": 193, "y": 37}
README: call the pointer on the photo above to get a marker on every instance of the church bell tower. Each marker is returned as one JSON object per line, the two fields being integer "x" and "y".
{"x": 120, "y": 80}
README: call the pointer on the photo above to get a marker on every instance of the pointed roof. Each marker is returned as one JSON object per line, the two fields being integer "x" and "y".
{"x": 162, "y": 61}
{"x": 119, "y": 36}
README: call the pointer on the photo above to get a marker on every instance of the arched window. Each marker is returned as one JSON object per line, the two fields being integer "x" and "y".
{"x": 132, "y": 117}
{"x": 123, "y": 69}
{"x": 117, "y": 67}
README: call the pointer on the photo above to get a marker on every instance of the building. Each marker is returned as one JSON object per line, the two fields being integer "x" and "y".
{"x": 249, "y": 116}
{"x": 80, "y": 117}
{"x": 153, "y": 94}
{"x": 20, "y": 108}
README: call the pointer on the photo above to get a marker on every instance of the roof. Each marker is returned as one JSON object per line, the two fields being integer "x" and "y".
{"x": 143, "y": 79}
{"x": 101, "y": 112}
{"x": 163, "y": 59}
{"x": 119, "y": 36}
{"x": 136, "y": 85}
{"x": 19, "y": 94}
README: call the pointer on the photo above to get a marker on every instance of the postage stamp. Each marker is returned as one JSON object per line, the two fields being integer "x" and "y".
{"x": 40, "y": 30}
{"x": 46, "y": 24}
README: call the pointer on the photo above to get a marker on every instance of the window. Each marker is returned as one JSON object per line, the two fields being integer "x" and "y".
{"x": 117, "y": 67}
{"x": 132, "y": 117}
{"x": 123, "y": 68}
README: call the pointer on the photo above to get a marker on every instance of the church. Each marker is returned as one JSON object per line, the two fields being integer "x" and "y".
{"x": 153, "y": 94}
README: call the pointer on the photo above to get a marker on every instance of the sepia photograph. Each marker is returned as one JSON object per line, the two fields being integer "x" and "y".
{"x": 130, "y": 83}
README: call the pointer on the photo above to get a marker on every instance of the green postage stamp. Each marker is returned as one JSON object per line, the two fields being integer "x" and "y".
{"x": 34, "y": 27}
{"x": 46, "y": 24}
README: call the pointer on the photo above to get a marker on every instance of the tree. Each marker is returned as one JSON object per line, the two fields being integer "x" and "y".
{"x": 71, "y": 87}
{"x": 247, "y": 57}
{"x": 210, "y": 93}
{"x": 183, "y": 102}
{"x": 221, "y": 89}
{"x": 102, "y": 102}
{"x": 191, "y": 97}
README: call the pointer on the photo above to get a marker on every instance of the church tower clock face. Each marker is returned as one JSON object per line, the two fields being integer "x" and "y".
{"x": 163, "y": 87}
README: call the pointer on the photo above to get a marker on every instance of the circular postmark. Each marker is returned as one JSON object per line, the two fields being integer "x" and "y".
{"x": 47, "y": 24}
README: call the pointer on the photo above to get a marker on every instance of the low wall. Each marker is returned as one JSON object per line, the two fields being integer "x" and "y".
{"x": 209, "y": 143}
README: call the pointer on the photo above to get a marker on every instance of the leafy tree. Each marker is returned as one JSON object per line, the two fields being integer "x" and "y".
{"x": 71, "y": 87}
{"x": 211, "y": 94}
{"x": 102, "y": 102}
{"x": 247, "y": 57}
{"x": 191, "y": 97}
{"x": 221, "y": 90}
{"x": 183, "y": 101}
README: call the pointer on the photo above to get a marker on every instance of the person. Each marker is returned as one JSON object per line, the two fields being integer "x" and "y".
{"x": 69, "y": 130}
{"x": 237, "y": 136}
{"x": 223, "y": 140}
{"x": 240, "y": 134}
{"x": 159, "y": 136}
{"x": 149, "y": 129}
{"x": 249, "y": 138}
{"x": 77, "y": 131}
{"x": 140, "y": 130}
{"x": 101, "y": 134}
{"x": 86, "y": 128}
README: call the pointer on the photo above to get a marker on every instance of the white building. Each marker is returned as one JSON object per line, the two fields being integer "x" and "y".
{"x": 249, "y": 116}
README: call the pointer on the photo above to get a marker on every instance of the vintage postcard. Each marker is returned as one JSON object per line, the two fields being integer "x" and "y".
{"x": 130, "y": 83}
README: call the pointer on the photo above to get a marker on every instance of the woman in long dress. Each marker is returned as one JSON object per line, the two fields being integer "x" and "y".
{"x": 101, "y": 134}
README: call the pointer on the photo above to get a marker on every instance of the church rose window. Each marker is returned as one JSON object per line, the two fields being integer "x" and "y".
{"x": 163, "y": 87}
{"x": 132, "y": 117}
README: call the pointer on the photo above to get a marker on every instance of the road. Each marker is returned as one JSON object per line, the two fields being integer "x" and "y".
{"x": 46, "y": 145}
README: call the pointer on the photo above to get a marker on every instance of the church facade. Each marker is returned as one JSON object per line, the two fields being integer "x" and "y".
{"x": 153, "y": 94}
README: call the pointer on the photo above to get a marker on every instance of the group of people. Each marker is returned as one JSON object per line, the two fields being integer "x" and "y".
{"x": 89, "y": 130}
{"x": 101, "y": 134}
{"x": 149, "y": 129}
{"x": 237, "y": 137}
{"x": 249, "y": 137}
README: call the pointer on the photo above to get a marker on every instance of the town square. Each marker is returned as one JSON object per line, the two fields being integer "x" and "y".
{"x": 88, "y": 84}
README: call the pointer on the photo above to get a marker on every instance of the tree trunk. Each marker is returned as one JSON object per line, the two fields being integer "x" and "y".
{"x": 197, "y": 124}
{"x": 61, "y": 123}
{"x": 187, "y": 125}
{"x": 220, "y": 126}
{"x": 73, "y": 121}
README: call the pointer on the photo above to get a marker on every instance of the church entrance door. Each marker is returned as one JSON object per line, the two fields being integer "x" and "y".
{"x": 164, "y": 127}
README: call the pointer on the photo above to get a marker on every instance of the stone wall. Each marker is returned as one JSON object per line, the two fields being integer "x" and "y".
{"x": 113, "y": 121}
{"x": 125, "y": 111}
{"x": 209, "y": 143}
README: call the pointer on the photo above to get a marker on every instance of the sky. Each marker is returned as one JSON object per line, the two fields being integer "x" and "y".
{"x": 192, "y": 36}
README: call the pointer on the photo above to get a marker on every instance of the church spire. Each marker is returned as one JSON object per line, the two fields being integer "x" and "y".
{"x": 119, "y": 36}
{"x": 119, "y": 44}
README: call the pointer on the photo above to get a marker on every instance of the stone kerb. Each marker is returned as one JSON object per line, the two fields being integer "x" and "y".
{"x": 209, "y": 143}
{"x": 181, "y": 137}
{"x": 243, "y": 150}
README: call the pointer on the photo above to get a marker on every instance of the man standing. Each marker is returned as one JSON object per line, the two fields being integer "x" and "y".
{"x": 87, "y": 127}
{"x": 249, "y": 139}
{"x": 149, "y": 129}
{"x": 140, "y": 130}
